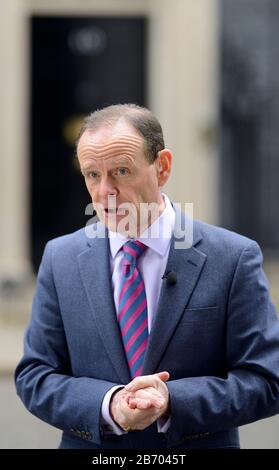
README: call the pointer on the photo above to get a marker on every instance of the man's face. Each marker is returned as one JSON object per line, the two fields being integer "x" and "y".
{"x": 115, "y": 168}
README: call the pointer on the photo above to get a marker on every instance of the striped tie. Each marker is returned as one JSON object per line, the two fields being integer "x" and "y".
{"x": 132, "y": 310}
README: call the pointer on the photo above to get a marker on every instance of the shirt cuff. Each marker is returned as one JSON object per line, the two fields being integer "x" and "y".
{"x": 107, "y": 423}
{"x": 163, "y": 424}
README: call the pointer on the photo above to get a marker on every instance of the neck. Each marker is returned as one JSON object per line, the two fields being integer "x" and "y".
{"x": 146, "y": 220}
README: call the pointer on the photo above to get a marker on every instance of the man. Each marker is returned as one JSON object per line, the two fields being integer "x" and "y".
{"x": 136, "y": 341}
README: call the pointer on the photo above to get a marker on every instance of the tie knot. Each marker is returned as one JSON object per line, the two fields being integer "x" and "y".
{"x": 133, "y": 250}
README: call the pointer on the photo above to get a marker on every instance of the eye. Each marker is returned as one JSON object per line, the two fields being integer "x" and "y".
{"x": 122, "y": 171}
{"x": 93, "y": 174}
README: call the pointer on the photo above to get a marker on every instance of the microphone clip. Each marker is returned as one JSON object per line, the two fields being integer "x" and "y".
{"x": 170, "y": 277}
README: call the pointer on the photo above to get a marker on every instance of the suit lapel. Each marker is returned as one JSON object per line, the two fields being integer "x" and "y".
{"x": 96, "y": 276}
{"x": 187, "y": 263}
{"x": 95, "y": 271}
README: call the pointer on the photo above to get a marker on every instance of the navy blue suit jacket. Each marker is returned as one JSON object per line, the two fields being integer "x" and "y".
{"x": 216, "y": 332}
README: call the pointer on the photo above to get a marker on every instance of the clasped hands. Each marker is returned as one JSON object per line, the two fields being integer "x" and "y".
{"x": 141, "y": 402}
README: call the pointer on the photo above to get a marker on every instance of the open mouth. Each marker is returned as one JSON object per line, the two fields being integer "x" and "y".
{"x": 110, "y": 211}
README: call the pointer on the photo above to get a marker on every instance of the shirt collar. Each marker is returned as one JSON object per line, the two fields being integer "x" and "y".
{"x": 163, "y": 226}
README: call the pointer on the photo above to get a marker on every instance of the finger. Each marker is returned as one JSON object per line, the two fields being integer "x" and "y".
{"x": 140, "y": 403}
{"x": 132, "y": 404}
{"x": 140, "y": 382}
{"x": 146, "y": 381}
{"x": 156, "y": 402}
{"x": 147, "y": 392}
{"x": 164, "y": 376}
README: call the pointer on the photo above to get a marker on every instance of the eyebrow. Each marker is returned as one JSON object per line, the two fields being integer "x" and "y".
{"x": 117, "y": 162}
{"x": 123, "y": 161}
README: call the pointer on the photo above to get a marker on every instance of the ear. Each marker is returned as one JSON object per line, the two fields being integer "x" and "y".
{"x": 163, "y": 163}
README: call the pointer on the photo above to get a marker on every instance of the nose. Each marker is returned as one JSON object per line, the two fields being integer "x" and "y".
{"x": 106, "y": 188}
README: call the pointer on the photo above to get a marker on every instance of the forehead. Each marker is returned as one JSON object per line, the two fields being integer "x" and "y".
{"x": 106, "y": 142}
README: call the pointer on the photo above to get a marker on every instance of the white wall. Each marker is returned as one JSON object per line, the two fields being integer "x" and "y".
{"x": 14, "y": 255}
{"x": 181, "y": 89}
{"x": 183, "y": 84}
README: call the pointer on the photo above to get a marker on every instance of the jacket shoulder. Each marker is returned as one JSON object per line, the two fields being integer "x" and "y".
{"x": 66, "y": 247}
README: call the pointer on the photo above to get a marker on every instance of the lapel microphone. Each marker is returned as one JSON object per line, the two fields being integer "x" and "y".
{"x": 170, "y": 277}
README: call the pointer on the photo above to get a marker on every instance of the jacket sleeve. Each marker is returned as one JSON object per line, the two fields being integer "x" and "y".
{"x": 250, "y": 391}
{"x": 43, "y": 377}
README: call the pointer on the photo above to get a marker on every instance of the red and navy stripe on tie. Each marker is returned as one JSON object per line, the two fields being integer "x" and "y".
{"x": 132, "y": 309}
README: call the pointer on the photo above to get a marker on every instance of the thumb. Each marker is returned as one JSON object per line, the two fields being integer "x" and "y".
{"x": 164, "y": 376}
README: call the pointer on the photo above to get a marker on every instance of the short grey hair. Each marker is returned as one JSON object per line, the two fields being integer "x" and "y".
{"x": 140, "y": 118}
